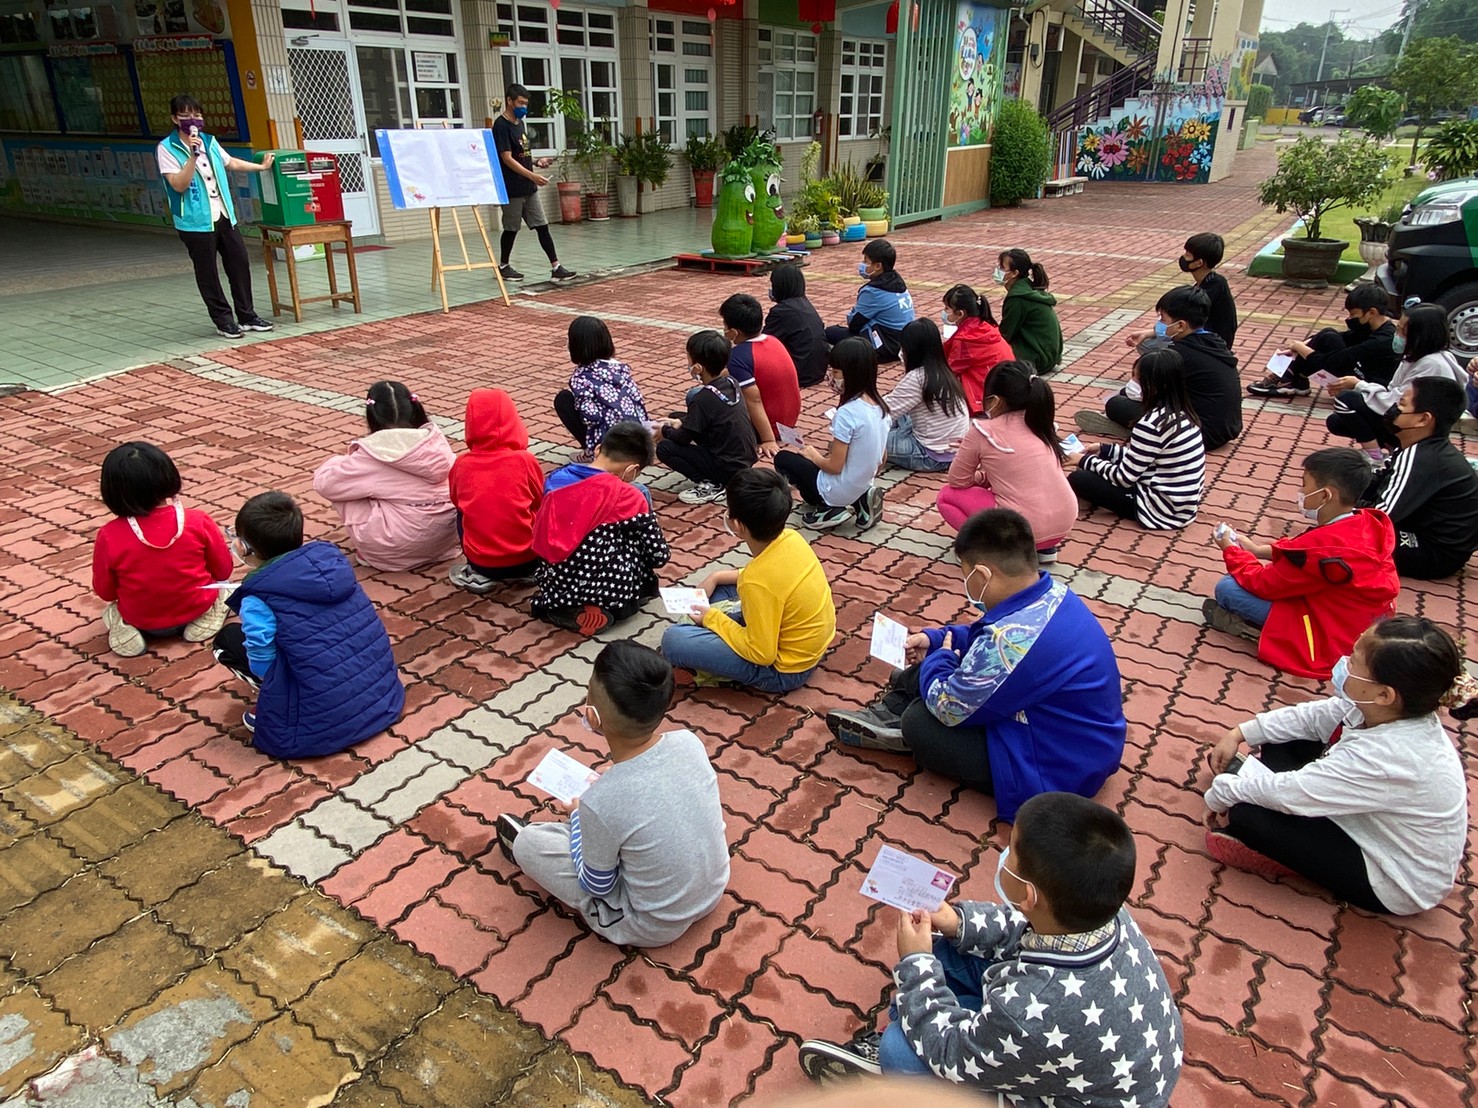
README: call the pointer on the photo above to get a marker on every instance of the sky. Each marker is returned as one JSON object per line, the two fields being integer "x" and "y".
{"x": 1357, "y": 18}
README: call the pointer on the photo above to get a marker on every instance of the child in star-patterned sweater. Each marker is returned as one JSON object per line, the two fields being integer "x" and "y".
{"x": 1053, "y": 997}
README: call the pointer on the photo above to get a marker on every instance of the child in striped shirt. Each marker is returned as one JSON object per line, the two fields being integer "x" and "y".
{"x": 1159, "y": 476}
{"x": 928, "y": 406}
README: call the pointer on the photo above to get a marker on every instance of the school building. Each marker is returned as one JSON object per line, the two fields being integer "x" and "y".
{"x": 84, "y": 90}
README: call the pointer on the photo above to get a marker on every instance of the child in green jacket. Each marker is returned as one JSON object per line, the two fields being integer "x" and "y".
{"x": 1028, "y": 316}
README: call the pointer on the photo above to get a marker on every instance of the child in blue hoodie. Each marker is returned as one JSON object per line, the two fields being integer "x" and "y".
{"x": 884, "y": 307}
{"x": 309, "y": 641}
{"x": 1025, "y": 700}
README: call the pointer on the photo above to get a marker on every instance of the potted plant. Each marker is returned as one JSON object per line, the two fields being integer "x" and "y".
{"x": 653, "y": 164}
{"x": 628, "y": 158}
{"x": 565, "y": 103}
{"x": 809, "y": 228}
{"x": 705, "y": 154}
{"x": 1375, "y": 231}
{"x": 1312, "y": 179}
{"x": 593, "y": 156}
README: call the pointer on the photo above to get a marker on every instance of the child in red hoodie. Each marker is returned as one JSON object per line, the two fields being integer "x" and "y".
{"x": 156, "y": 563}
{"x": 1320, "y": 590}
{"x": 497, "y": 486}
{"x": 973, "y": 344}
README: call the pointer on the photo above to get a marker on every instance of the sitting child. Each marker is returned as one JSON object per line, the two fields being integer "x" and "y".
{"x": 391, "y": 487}
{"x": 884, "y": 306}
{"x": 760, "y": 365}
{"x": 643, "y": 856}
{"x": 309, "y": 641}
{"x": 1362, "y": 793}
{"x": 602, "y": 391}
{"x": 839, "y": 484}
{"x": 715, "y": 439}
{"x": 973, "y": 344}
{"x": 1200, "y": 257}
{"x": 928, "y": 407}
{"x": 793, "y": 320}
{"x": 496, "y": 486}
{"x": 769, "y": 623}
{"x": 1320, "y": 589}
{"x": 598, "y": 542}
{"x": 997, "y": 996}
{"x": 1029, "y": 312}
{"x": 1362, "y": 350}
{"x": 154, "y": 565}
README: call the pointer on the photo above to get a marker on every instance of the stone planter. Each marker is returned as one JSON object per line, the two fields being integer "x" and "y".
{"x": 626, "y": 196}
{"x": 599, "y": 205}
{"x": 1310, "y": 263}
{"x": 1374, "y": 234}
{"x": 569, "y": 202}
{"x": 703, "y": 188}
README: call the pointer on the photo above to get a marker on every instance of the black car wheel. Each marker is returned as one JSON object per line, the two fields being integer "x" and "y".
{"x": 1462, "y": 318}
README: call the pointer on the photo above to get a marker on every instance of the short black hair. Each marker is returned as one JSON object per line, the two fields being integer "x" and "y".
{"x": 637, "y": 682}
{"x": 710, "y": 350}
{"x": 1208, "y": 246}
{"x": 1415, "y": 657}
{"x": 1442, "y": 398}
{"x": 389, "y": 404}
{"x": 998, "y": 537}
{"x": 627, "y": 442}
{"x": 1080, "y": 856}
{"x": 590, "y": 340}
{"x": 1426, "y": 332}
{"x": 137, "y": 477}
{"x": 271, "y": 524}
{"x": 882, "y": 252}
{"x": 759, "y": 499}
{"x": 1342, "y": 469}
{"x": 1362, "y": 298}
{"x": 1186, "y": 303}
{"x": 514, "y": 91}
{"x": 787, "y": 282}
{"x": 184, "y": 102}
{"x": 742, "y": 312}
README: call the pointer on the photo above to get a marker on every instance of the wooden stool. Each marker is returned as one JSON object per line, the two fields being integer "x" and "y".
{"x": 309, "y": 234}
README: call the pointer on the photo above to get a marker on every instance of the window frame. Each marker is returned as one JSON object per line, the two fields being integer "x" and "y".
{"x": 853, "y": 124}
{"x": 788, "y": 55}
{"x": 690, "y": 52}
{"x": 524, "y": 47}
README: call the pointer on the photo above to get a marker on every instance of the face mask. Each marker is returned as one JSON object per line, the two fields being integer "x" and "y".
{"x": 1001, "y": 868}
{"x": 1358, "y": 326}
{"x": 1393, "y": 413}
{"x": 190, "y": 122}
{"x": 944, "y": 320}
{"x": 1185, "y": 264}
{"x": 1339, "y": 676}
{"x": 585, "y": 718}
{"x": 1303, "y": 505}
{"x": 980, "y": 605}
{"x": 1161, "y": 329}
{"x": 729, "y": 529}
{"x": 998, "y": 275}
{"x": 771, "y": 295}
{"x": 520, "y": 113}
{"x": 1398, "y": 343}
{"x": 862, "y": 269}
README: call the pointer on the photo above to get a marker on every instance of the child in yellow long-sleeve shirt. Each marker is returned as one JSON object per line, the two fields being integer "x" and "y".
{"x": 766, "y": 625}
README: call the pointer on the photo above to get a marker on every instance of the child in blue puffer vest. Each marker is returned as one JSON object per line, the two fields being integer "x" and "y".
{"x": 309, "y": 639}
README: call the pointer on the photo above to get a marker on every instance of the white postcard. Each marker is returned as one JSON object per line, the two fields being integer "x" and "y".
{"x": 889, "y": 638}
{"x": 1322, "y": 379}
{"x": 680, "y": 601}
{"x": 1279, "y": 364}
{"x": 788, "y": 435}
{"x": 906, "y": 882}
{"x": 562, "y": 777}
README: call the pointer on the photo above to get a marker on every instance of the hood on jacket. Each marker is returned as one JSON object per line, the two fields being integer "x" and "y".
{"x": 1206, "y": 344}
{"x": 1023, "y": 289}
{"x": 420, "y": 451}
{"x": 316, "y": 571}
{"x": 493, "y": 422}
{"x": 887, "y": 281}
{"x": 1327, "y": 551}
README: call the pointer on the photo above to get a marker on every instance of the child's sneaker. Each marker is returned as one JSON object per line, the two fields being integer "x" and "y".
{"x": 1232, "y": 851}
{"x": 869, "y": 508}
{"x": 124, "y": 639}
{"x": 704, "y": 492}
{"x": 868, "y": 729}
{"x": 1048, "y": 557}
{"x": 1096, "y": 423}
{"x": 821, "y": 1060}
{"x": 249, "y": 719}
{"x": 465, "y": 577}
{"x": 1218, "y": 617}
{"x": 205, "y": 625}
{"x": 824, "y": 519}
{"x": 508, "y": 830}
{"x": 1269, "y": 387}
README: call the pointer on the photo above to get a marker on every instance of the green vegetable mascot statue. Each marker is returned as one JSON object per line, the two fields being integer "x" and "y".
{"x": 769, "y": 216}
{"x": 733, "y": 214}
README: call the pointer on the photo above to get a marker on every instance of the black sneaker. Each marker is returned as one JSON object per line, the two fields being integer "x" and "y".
{"x": 509, "y": 273}
{"x": 821, "y": 1060}
{"x": 257, "y": 323}
{"x": 1290, "y": 387}
{"x": 560, "y": 273}
{"x": 869, "y": 508}
{"x": 869, "y": 729}
{"x": 508, "y": 830}
{"x": 1218, "y": 617}
{"x": 824, "y": 519}
{"x": 230, "y": 331}
{"x": 1048, "y": 557}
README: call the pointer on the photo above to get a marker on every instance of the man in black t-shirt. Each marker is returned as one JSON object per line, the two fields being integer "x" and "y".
{"x": 511, "y": 138}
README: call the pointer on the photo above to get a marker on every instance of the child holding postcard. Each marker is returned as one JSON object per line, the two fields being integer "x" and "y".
{"x": 1051, "y": 993}
{"x": 643, "y": 855}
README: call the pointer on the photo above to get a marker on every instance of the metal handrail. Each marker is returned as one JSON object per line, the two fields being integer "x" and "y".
{"x": 1123, "y": 22}
{"x": 1103, "y": 97}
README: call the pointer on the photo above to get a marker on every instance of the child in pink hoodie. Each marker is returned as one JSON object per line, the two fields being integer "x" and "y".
{"x": 391, "y": 487}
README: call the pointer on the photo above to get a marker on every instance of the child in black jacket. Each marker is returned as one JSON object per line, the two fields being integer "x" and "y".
{"x": 714, "y": 439}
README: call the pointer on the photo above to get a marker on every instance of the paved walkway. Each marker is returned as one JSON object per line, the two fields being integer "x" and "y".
{"x": 1288, "y": 998}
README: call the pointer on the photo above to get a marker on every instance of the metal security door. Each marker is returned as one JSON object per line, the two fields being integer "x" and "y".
{"x": 326, "y": 90}
{"x": 921, "y": 67}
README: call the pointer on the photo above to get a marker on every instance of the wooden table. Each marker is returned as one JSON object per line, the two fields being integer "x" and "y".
{"x": 309, "y": 234}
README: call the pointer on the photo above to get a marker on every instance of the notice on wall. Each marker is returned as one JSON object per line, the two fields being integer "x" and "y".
{"x": 430, "y": 67}
{"x": 441, "y": 169}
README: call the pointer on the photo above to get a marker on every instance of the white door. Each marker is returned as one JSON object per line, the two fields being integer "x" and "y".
{"x": 329, "y": 102}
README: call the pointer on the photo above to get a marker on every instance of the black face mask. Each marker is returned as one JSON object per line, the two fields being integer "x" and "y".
{"x": 1393, "y": 413}
{"x": 1358, "y": 327}
{"x": 1185, "y": 266}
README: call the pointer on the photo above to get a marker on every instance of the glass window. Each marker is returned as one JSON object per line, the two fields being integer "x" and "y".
{"x": 682, "y": 77}
{"x": 580, "y": 54}
{"x": 787, "y": 82}
{"x": 385, "y": 83}
{"x": 25, "y": 94}
{"x": 860, "y": 107}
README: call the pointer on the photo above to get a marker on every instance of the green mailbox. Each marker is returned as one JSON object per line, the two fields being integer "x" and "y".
{"x": 287, "y": 193}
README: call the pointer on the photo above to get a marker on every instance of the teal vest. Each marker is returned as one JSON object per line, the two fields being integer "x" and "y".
{"x": 190, "y": 209}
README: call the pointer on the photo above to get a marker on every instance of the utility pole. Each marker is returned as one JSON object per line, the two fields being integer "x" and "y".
{"x": 1328, "y": 30}
{"x": 1416, "y": 6}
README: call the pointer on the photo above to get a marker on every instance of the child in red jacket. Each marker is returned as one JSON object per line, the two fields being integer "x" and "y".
{"x": 496, "y": 486}
{"x": 1320, "y": 590}
{"x": 156, "y": 563}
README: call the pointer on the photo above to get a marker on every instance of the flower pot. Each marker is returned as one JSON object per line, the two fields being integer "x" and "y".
{"x": 872, "y": 215}
{"x": 569, "y": 202}
{"x": 626, "y": 196}
{"x": 876, "y": 228}
{"x": 1310, "y": 263}
{"x": 703, "y": 187}
{"x": 813, "y": 240}
{"x": 851, "y": 220}
{"x": 854, "y": 232}
{"x": 599, "y": 205}
{"x": 830, "y": 238}
{"x": 795, "y": 240}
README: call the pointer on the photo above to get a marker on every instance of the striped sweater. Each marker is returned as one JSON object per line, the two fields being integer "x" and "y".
{"x": 1163, "y": 465}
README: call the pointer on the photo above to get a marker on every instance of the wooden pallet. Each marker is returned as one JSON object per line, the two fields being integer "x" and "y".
{"x": 716, "y": 263}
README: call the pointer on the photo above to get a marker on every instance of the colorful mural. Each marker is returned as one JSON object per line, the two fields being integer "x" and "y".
{"x": 980, "y": 65}
{"x": 1245, "y": 59}
{"x": 1165, "y": 134}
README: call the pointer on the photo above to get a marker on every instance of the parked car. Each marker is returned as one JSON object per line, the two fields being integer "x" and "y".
{"x": 1433, "y": 254}
{"x": 1311, "y": 115}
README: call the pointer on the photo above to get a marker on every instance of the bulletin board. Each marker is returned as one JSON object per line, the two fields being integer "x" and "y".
{"x": 441, "y": 168}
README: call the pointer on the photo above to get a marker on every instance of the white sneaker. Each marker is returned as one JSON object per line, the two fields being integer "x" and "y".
{"x": 704, "y": 492}
{"x": 205, "y": 625}
{"x": 124, "y": 639}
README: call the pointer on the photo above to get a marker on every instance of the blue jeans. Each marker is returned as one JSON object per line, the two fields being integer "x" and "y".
{"x": 906, "y": 452}
{"x": 701, "y": 650}
{"x": 1472, "y": 391}
{"x": 1237, "y": 600}
{"x": 963, "y": 973}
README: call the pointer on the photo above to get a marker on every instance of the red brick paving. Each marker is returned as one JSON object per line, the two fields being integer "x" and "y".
{"x": 1288, "y": 997}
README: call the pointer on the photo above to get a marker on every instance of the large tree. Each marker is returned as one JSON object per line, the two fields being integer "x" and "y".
{"x": 1441, "y": 18}
{"x": 1435, "y": 74}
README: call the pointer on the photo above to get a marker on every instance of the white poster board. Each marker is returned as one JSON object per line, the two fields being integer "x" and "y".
{"x": 441, "y": 168}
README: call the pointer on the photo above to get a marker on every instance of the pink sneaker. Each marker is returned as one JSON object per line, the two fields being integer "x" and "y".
{"x": 1232, "y": 851}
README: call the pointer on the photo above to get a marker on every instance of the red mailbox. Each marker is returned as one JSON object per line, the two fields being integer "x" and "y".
{"x": 328, "y": 192}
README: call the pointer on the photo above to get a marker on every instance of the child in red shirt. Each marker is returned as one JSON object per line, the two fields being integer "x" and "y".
{"x": 155, "y": 564}
{"x": 496, "y": 486}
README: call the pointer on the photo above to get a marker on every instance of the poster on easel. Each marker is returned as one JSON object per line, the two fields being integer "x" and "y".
{"x": 441, "y": 169}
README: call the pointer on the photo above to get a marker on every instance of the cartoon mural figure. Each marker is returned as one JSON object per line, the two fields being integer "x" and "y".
{"x": 975, "y": 83}
{"x": 733, "y": 213}
{"x": 769, "y": 215}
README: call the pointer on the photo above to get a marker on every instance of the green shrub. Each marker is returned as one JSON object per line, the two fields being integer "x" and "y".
{"x": 1314, "y": 178}
{"x": 1453, "y": 151}
{"x": 1020, "y": 154}
{"x": 1376, "y": 111}
{"x": 853, "y": 190}
{"x": 1259, "y": 100}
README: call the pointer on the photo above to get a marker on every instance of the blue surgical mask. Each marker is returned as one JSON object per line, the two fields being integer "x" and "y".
{"x": 944, "y": 319}
{"x": 1303, "y": 506}
{"x": 998, "y": 275}
{"x": 1000, "y": 868}
{"x": 862, "y": 269}
{"x": 1160, "y": 329}
{"x": 1337, "y": 678}
{"x": 980, "y": 605}
{"x": 1398, "y": 343}
{"x": 520, "y": 113}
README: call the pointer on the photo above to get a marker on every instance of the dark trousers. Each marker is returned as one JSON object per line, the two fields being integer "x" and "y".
{"x": 891, "y": 341}
{"x": 1102, "y": 493}
{"x": 546, "y": 241}
{"x": 229, "y": 648}
{"x": 802, "y": 473}
{"x": 958, "y": 753}
{"x": 517, "y": 572}
{"x": 1123, "y": 410}
{"x": 1314, "y": 846}
{"x": 695, "y": 462}
{"x": 203, "y": 247}
{"x": 1353, "y": 419}
{"x": 1327, "y": 341}
{"x": 569, "y": 415}
{"x": 1426, "y": 561}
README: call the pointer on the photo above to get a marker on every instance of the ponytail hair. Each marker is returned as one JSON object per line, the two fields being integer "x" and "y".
{"x": 1014, "y": 383}
{"x": 1020, "y": 261}
{"x": 962, "y": 298}
{"x": 390, "y": 404}
{"x": 1420, "y": 661}
{"x": 922, "y": 349}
